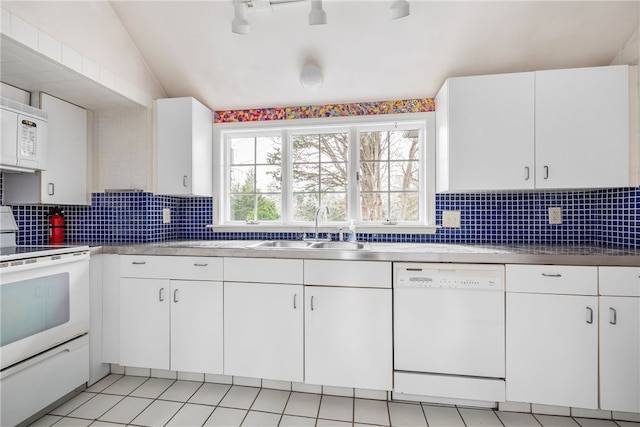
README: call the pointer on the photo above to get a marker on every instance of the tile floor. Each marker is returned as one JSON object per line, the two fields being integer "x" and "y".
{"x": 120, "y": 400}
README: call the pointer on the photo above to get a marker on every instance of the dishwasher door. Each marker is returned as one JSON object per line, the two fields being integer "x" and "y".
{"x": 449, "y": 319}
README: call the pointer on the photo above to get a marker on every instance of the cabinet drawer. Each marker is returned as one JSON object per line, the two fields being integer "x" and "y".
{"x": 171, "y": 267}
{"x": 552, "y": 279}
{"x": 262, "y": 270}
{"x": 365, "y": 274}
{"x": 620, "y": 281}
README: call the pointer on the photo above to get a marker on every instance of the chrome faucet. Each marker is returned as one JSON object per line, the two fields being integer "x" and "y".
{"x": 321, "y": 208}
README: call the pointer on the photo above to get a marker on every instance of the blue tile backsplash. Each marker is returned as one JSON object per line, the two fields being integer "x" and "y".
{"x": 608, "y": 217}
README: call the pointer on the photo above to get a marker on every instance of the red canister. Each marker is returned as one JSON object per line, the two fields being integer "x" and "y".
{"x": 56, "y": 226}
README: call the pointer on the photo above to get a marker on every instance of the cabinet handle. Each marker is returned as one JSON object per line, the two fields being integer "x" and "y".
{"x": 526, "y": 173}
{"x": 161, "y": 294}
{"x": 294, "y": 301}
{"x": 589, "y": 315}
{"x": 552, "y": 274}
{"x": 139, "y": 262}
{"x": 613, "y": 316}
{"x": 546, "y": 172}
{"x": 204, "y": 264}
{"x": 175, "y": 295}
{"x": 311, "y": 302}
{"x": 51, "y": 189}
{"x": 184, "y": 181}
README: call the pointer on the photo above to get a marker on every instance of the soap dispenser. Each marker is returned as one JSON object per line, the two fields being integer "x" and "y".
{"x": 352, "y": 230}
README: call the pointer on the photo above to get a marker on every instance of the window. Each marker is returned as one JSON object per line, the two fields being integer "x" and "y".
{"x": 376, "y": 172}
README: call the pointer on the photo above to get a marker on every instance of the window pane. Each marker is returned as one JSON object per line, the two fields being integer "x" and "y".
{"x": 242, "y": 179}
{"x": 374, "y": 176}
{"x": 404, "y": 207}
{"x": 305, "y": 178}
{"x": 304, "y": 206}
{"x": 373, "y": 206}
{"x": 334, "y": 147}
{"x": 267, "y": 179}
{"x": 403, "y": 145}
{"x": 242, "y": 151}
{"x": 374, "y": 146}
{"x": 306, "y": 148}
{"x": 404, "y": 176}
{"x": 269, "y": 207}
{"x": 268, "y": 150}
{"x": 333, "y": 177}
{"x": 337, "y": 204}
{"x": 242, "y": 207}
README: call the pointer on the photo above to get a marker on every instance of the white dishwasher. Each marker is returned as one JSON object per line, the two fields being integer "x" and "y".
{"x": 449, "y": 331}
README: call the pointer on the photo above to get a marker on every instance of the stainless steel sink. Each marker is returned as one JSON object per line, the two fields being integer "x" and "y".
{"x": 351, "y": 246}
{"x": 302, "y": 244}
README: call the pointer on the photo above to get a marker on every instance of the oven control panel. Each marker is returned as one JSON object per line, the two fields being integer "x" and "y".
{"x": 448, "y": 276}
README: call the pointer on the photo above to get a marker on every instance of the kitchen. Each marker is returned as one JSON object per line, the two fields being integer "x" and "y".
{"x": 120, "y": 155}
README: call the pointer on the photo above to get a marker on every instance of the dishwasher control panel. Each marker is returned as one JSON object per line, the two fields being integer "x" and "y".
{"x": 449, "y": 276}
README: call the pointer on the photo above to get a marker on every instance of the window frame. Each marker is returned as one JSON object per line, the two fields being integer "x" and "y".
{"x": 354, "y": 125}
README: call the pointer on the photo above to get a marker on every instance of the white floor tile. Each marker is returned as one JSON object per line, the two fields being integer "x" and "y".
{"x": 293, "y": 421}
{"x": 105, "y": 424}
{"x": 277, "y": 385}
{"x": 550, "y": 410}
{"x": 338, "y": 391}
{"x": 371, "y": 412}
{"x": 406, "y": 415}
{"x": 590, "y": 413}
{"x": 249, "y": 382}
{"x": 191, "y": 415}
{"x": 555, "y": 421}
{"x": 627, "y": 423}
{"x": 104, "y": 383}
{"x": 336, "y": 408}
{"x": 125, "y": 385}
{"x": 261, "y": 419}
{"x": 239, "y": 397}
{"x": 158, "y": 413}
{"x": 49, "y": 420}
{"x": 96, "y": 407}
{"x": 126, "y": 410}
{"x": 137, "y": 372}
{"x": 593, "y": 422}
{"x": 73, "y": 422}
{"x": 332, "y": 423}
{"x": 191, "y": 376}
{"x": 271, "y": 401}
{"x": 303, "y": 404}
{"x": 306, "y": 388}
{"x": 479, "y": 417}
{"x": 370, "y": 394}
{"x": 220, "y": 379}
{"x": 517, "y": 419}
{"x": 626, "y": 416}
{"x": 71, "y": 405}
{"x": 152, "y": 388}
{"x": 210, "y": 394}
{"x": 226, "y": 417}
{"x": 442, "y": 416}
{"x": 163, "y": 373}
{"x": 180, "y": 391}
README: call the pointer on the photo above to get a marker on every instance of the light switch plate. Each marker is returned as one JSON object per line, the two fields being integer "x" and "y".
{"x": 166, "y": 216}
{"x": 555, "y": 215}
{"x": 451, "y": 219}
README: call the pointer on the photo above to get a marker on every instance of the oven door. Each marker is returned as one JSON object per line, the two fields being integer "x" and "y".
{"x": 42, "y": 304}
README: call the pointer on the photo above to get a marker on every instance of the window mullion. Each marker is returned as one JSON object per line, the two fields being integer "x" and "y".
{"x": 353, "y": 166}
{"x": 286, "y": 174}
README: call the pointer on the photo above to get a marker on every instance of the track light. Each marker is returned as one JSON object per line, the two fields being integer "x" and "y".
{"x": 240, "y": 25}
{"x": 317, "y": 16}
{"x": 399, "y": 9}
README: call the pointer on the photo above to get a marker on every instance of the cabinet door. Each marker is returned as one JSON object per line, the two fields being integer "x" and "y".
{"x": 196, "y": 326}
{"x": 552, "y": 349}
{"x": 144, "y": 323}
{"x": 582, "y": 127}
{"x": 263, "y": 335}
{"x": 65, "y": 179}
{"x": 620, "y": 353}
{"x": 348, "y": 337}
{"x": 487, "y": 134}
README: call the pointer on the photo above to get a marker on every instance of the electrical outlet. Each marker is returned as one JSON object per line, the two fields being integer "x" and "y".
{"x": 451, "y": 219}
{"x": 555, "y": 215}
{"x": 166, "y": 216}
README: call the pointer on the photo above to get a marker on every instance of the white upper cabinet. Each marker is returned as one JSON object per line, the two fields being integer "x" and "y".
{"x": 184, "y": 136}
{"x": 555, "y": 129}
{"x": 485, "y": 133}
{"x": 65, "y": 179}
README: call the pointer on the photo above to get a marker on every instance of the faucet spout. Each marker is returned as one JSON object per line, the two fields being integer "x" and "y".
{"x": 321, "y": 209}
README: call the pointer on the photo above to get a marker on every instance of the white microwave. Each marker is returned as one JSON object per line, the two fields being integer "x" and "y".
{"x": 24, "y": 137}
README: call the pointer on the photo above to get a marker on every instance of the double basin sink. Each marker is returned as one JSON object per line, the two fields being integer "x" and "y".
{"x": 311, "y": 244}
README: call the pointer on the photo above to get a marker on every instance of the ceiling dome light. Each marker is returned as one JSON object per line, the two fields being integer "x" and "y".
{"x": 317, "y": 16}
{"x": 399, "y": 9}
{"x": 311, "y": 77}
{"x": 240, "y": 25}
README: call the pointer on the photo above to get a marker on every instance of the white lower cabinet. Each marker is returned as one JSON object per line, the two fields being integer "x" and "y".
{"x": 620, "y": 339}
{"x": 552, "y": 338}
{"x": 263, "y": 331}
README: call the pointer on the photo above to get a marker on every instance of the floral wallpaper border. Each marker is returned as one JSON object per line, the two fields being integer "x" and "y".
{"x": 332, "y": 110}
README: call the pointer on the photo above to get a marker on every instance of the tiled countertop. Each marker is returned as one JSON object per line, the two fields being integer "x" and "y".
{"x": 409, "y": 252}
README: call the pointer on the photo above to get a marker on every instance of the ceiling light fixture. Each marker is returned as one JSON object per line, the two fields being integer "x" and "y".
{"x": 399, "y": 9}
{"x": 317, "y": 16}
{"x": 311, "y": 77}
{"x": 240, "y": 25}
